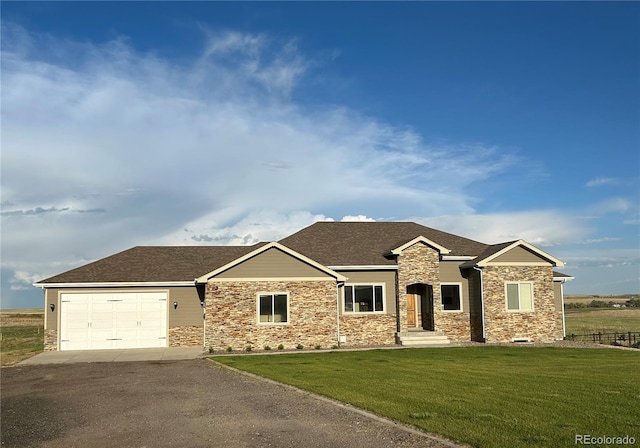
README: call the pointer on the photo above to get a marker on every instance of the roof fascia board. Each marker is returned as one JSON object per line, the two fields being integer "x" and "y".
{"x": 563, "y": 279}
{"x": 109, "y": 284}
{"x": 552, "y": 259}
{"x": 365, "y": 267}
{"x": 205, "y": 278}
{"x": 420, "y": 239}
{"x": 457, "y": 257}
{"x": 271, "y": 279}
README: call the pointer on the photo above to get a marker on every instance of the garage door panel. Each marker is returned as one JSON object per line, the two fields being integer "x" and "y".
{"x": 121, "y": 320}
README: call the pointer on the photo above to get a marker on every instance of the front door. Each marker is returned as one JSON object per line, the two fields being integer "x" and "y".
{"x": 412, "y": 310}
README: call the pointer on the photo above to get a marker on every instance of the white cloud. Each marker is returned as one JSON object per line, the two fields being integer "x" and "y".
{"x": 357, "y": 218}
{"x": 602, "y": 181}
{"x": 256, "y": 226}
{"x": 541, "y": 228}
{"x": 611, "y": 205}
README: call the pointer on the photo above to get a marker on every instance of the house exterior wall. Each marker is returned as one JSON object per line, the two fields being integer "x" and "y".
{"x": 272, "y": 263}
{"x": 232, "y": 314}
{"x": 455, "y": 324}
{"x": 368, "y": 329}
{"x": 387, "y": 277}
{"x": 543, "y": 324}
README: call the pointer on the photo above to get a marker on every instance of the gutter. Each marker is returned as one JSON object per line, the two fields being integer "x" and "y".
{"x": 484, "y": 333}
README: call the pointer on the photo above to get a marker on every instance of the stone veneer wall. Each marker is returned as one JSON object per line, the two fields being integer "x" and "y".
{"x": 456, "y": 325}
{"x": 421, "y": 264}
{"x": 231, "y": 315}
{"x": 368, "y": 329}
{"x": 186, "y": 336}
{"x": 50, "y": 340}
{"x": 543, "y": 324}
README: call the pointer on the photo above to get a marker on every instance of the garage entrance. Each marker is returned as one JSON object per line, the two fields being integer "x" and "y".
{"x": 113, "y": 320}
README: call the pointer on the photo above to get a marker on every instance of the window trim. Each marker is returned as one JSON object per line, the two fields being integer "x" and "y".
{"x": 506, "y": 297}
{"x": 364, "y": 313}
{"x": 459, "y": 284}
{"x": 272, "y": 294}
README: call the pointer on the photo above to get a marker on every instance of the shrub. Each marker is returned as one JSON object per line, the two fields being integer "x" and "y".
{"x": 211, "y": 349}
{"x": 318, "y": 347}
{"x": 280, "y": 347}
{"x": 229, "y": 348}
{"x": 267, "y": 347}
{"x": 248, "y": 348}
{"x": 334, "y": 347}
{"x": 299, "y": 346}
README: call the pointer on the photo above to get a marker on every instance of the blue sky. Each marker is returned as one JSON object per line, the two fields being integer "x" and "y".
{"x": 157, "y": 123}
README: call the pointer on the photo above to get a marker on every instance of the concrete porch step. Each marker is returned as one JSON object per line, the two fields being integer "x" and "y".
{"x": 421, "y": 337}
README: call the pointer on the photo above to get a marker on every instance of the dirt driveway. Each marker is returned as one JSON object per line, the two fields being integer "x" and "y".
{"x": 192, "y": 403}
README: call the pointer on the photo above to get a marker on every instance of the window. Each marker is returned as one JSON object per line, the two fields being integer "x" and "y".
{"x": 451, "y": 297}
{"x": 363, "y": 299}
{"x": 519, "y": 296}
{"x": 273, "y": 308}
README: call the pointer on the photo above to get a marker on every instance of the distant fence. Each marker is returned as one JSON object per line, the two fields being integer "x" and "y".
{"x": 629, "y": 338}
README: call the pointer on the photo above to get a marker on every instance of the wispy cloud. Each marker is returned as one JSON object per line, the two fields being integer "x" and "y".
{"x": 539, "y": 227}
{"x": 602, "y": 181}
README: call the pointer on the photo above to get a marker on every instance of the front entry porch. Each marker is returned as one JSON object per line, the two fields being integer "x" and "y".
{"x": 422, "y": 338}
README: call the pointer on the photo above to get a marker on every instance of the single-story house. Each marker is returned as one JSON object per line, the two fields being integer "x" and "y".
{"x": 332, "y": 283}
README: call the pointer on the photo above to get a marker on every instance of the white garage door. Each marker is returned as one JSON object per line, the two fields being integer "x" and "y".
{"x": 104, "y": 321}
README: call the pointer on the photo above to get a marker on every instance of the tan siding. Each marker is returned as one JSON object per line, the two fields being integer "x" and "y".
{"x": 518, "y": 255}
{"x": 557, "y": 295}
{"x": 272, "y": 263}
{"x": 189, "y": 311}
{"x": 51, "y": 319}
{"x": 386, "y": 277}
{"x": 450, "y": 273}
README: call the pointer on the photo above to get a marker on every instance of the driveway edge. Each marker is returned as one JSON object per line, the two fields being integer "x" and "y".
{"x": 345, "y": 406}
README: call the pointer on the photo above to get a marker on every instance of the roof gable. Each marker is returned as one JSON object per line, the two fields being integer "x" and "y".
{"x": 522, "y": 253}
{"x": 274, "y": 245}
{"x": 420, "y": 239}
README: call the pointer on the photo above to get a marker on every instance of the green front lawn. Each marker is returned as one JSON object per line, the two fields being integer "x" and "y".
{"x": 484, "y": 396}
{"x": 19, "y": 343}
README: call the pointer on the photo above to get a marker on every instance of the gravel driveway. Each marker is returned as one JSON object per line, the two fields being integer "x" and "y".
{"x": 192, "y": 403}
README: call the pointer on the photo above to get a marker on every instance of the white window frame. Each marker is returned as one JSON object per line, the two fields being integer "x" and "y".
{"x": 363, "y": 313}
{"x": 506, "y": 297}
{"x": 459, "y": 285}
{"x": 272, "y": 294}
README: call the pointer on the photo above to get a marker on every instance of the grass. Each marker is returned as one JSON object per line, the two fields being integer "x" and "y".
{"x": 484, "y": 396}
{"x": 22, "y": 336}
{"x": 608, "y": 320}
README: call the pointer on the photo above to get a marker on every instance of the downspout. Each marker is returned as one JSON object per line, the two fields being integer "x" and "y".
{"x": 338, "y": 286}
{"x": 564, "y": 330}
{"x": 203, "y": 305}
{"x": 484, "y": 333}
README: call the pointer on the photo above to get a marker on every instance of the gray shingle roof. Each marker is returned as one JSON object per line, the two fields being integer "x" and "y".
{"x": 328, "y": 243}
{"x": 365, "y": 243}
{"x": 155, "y": 264}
